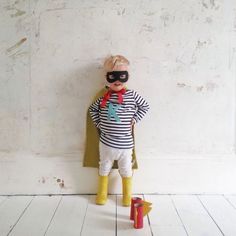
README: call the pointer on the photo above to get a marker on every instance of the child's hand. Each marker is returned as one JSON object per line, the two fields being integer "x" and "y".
{"x": 132, "y": 123}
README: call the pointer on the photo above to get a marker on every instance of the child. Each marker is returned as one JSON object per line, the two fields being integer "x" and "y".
{"x": 114, "y": 114}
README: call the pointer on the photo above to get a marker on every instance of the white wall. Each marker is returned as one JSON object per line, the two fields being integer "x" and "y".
{"x": 182, "y": 57}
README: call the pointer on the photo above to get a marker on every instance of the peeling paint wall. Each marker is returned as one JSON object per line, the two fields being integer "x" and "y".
{"x": 182, "y": 56}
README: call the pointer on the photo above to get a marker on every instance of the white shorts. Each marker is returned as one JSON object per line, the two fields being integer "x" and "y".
{"x": 107, "y": 157}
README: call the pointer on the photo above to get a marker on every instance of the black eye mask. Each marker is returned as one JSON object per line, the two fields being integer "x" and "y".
{"x": 113, "y": 76}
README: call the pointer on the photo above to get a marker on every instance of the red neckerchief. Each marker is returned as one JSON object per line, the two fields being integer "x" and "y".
{"x": 107, "y": 96}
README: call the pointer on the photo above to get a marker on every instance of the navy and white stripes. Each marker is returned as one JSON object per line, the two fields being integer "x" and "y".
{"x": 114, "y": 120}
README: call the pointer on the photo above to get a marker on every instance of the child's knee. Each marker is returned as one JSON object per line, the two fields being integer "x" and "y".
{"x": 125, "y": 169}
{"x": 105, "y": 167}
{"x": 125, "y": 172}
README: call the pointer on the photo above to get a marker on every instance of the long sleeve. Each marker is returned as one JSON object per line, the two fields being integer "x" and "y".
{"x": 142, "y": 107}
{"x": 94, "y": 112}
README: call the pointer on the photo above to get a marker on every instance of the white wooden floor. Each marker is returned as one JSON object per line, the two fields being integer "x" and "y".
{"x": 172, "y": 215}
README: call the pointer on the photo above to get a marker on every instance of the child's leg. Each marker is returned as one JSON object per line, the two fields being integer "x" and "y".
{"x": 125, "y": 169}
{"x": 106, "y": 159}
{"x": 101, "y": 197}
{"x": 105, "y": 166}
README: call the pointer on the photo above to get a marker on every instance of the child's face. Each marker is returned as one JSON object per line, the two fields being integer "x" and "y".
{"x": 117, "y": 79}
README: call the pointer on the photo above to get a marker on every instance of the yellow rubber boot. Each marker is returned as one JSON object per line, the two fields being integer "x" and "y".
{"x": 127, "y": 185}
{"x": 102, "y": 190}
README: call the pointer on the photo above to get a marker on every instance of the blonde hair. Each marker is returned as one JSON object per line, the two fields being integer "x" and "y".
{"x": 117, "y": 62}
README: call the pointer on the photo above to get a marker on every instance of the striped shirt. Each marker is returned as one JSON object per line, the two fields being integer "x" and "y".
{"x": 114, "y": 120}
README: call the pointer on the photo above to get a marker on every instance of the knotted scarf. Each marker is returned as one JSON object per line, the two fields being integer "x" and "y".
{"x": 107, "y": 96}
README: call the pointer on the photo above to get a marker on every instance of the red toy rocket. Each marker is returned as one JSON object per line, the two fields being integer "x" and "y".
{"x": 133, "y": 201}
{"x": 139, "y": 208}
{"x": 138, "y": 215}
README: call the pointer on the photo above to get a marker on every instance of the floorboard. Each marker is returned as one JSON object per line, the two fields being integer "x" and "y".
{"x": 195, "y": 218}
{"x": 69, "y": 217}
{"x": 163, "y": 217}
{"x": 223, "y": 213}
{"x": 171, "y": 215}
{"x": 100, "y": 219}
{"x": 11, "y": 210}
{"x": 2, "y": 199}
{"x": 231, "y": 199}
{"x": 37, "y": 217}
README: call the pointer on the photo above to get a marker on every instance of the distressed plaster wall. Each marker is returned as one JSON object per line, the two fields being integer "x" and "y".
{"x": 182, "y": 57}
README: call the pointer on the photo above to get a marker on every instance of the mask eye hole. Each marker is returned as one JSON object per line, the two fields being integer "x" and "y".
{"x": 111, "y": 76}
{"x": 122, "y": 76}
